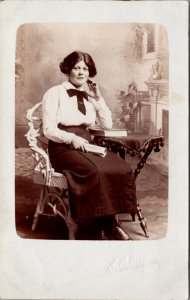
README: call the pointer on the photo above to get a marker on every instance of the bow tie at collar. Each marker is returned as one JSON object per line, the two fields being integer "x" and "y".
{"x": 80, "y": 98}
{"x": 79, "y": 94}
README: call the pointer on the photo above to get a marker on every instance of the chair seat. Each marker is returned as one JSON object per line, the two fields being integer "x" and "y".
{"x": 57, "y": 179}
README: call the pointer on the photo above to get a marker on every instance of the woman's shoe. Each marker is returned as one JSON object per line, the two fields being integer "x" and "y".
{"x": 104, "y": 235}
{"x": 109, "y": 229}
{"x": 119, "y": 234}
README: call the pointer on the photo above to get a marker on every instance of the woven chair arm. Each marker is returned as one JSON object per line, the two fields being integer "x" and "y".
{"x": 40, "y": 155}
{"x": 30, "y": 111}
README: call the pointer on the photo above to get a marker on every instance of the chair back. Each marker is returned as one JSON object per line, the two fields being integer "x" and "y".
{"x": 38, "y": 143}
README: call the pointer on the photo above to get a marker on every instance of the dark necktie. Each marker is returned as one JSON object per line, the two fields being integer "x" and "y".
{"x": 80, "y": 96}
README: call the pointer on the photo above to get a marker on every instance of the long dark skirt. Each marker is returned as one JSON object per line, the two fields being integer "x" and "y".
{"x": 98, "y": 186}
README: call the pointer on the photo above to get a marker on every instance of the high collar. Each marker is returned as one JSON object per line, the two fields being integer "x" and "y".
{"x": 69, "y": 85}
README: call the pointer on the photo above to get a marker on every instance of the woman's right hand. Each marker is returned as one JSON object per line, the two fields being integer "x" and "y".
{"x": 94, "y": 91}
{"x": 78, "y": 143}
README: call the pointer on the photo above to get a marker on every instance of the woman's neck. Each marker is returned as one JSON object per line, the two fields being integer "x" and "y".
{"x": 78, "y": 87}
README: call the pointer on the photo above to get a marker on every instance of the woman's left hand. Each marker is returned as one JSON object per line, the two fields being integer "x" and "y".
{"x": 94, "y": 90}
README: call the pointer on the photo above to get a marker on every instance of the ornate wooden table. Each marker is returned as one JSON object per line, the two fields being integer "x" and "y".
{"x": 135, "y": 145}
{"x": 139, "y": 145}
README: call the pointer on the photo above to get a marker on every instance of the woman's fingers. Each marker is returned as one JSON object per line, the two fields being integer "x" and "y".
{"x": 79, "y": 143}
{"x": 83, "y": 148}
{"x": 94, "y": 91}
{"x": 92, "y": 85}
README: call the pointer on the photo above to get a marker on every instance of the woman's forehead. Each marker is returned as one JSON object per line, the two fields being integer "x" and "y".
{"x": 81, "y": 63}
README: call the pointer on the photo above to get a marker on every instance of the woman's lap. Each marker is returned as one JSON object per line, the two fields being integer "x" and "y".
{"x": 98, "y": 186}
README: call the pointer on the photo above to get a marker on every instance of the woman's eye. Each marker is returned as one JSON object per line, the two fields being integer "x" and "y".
{"x": 78, "y": 69}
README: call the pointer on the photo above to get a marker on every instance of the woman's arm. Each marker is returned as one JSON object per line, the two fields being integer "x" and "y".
{"x": 103, "y": 113}
{"x": 50, "y": 106}
{"x": 102, "y": 110}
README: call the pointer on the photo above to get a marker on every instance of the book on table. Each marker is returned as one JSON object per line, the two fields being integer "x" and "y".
{"x": 98, "y": 150}
{"x": 114, "y": 132}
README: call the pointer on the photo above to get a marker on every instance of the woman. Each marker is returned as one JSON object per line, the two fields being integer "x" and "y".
{"x": 99, "y": 188}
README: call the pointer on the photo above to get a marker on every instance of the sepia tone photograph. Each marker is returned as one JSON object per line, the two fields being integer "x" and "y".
{"x": 91, "y": 131}
{"x": 94, "y": 150}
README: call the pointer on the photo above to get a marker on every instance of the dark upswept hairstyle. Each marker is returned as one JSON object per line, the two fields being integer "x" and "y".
{"x": 70, "y": 61}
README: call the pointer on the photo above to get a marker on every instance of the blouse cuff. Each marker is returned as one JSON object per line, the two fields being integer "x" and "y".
{"x": 66, "y": 137}
{"x": 59, "y": 136}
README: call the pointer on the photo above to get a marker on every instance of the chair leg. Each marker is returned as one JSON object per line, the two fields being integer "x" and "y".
{"x": 39, "y": 208}
{"x": 142, "y": 220}
{"x": 60, "y": 206}
{"x": 53, "y": 198}
{"x": 35, "y": 221}
{"x": 72, "y": 227}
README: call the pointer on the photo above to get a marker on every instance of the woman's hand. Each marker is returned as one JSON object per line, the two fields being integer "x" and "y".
{"x": 94, "y": 90}
{"x": 78, "y": 143}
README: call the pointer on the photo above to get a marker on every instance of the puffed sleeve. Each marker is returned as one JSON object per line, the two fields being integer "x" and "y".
{"x": 103, "y": 113}
{"x": 50, "y": 107}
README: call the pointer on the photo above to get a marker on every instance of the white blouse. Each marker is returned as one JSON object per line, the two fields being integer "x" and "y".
{"x": 58, "y": 107}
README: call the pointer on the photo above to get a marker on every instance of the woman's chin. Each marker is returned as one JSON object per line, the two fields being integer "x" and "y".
{"x": 79, "y": 84}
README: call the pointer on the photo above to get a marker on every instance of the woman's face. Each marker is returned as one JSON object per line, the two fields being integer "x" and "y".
{"x": 79, "y": 74}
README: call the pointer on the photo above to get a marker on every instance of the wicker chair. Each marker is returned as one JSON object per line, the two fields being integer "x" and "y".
{"x": 54, "y": 187}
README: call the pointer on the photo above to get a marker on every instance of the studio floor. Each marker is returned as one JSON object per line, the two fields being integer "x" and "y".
{"x": 152, "y": 193}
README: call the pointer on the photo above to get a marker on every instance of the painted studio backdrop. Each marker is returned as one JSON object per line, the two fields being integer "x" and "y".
{"x": 132, "y": 66}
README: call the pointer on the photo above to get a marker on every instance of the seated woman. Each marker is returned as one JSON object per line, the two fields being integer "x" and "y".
{"x": 99, "y": 187}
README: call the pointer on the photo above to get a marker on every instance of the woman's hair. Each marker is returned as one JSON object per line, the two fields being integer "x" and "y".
{"x": 70, "y": 61}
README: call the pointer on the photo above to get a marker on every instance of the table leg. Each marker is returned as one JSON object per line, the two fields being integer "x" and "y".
{"x": 142, "y": 221}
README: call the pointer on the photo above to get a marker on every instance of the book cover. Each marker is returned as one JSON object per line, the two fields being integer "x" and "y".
{"x": 98, "y": 150}
{"x": 114, "y": 132}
